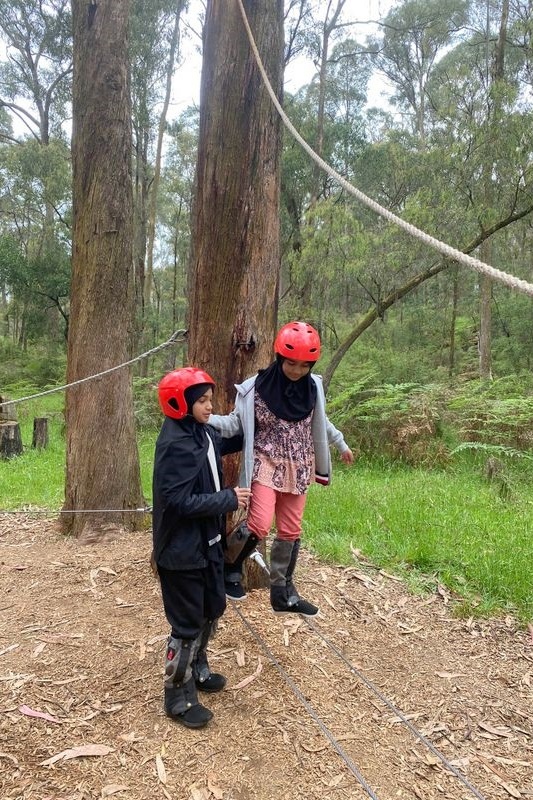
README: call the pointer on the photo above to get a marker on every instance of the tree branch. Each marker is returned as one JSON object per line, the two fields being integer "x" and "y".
{"x": 396, "y": 294}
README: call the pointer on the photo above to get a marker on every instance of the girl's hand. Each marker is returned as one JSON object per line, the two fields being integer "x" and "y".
{"x": 347, "y": 456}
{"x": 243, "y": 496}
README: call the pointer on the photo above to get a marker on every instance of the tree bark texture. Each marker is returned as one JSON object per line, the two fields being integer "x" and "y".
{"x": 102, "y": 459}
{"x": 40, "y": 433}
{"x": 235, "y": 262}
{"x": 10, "y": 440}
{"x": 8, "y": 411}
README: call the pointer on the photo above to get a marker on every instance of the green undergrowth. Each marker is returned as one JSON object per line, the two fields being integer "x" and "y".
{"x": 432, "y": 527}
{"x": 466, "y": 523}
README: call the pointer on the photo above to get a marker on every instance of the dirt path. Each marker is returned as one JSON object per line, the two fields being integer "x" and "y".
{"x": 82, "y": 635}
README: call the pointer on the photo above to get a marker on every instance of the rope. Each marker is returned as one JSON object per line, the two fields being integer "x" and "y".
{"x": 308, "y": 707}
{"x": 441, "y": 247}
{"x": 173, "y": 340}
{"x": 368, "y": 683}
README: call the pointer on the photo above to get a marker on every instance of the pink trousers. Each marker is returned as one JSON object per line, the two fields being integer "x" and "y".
{"x": 267, "y": 503}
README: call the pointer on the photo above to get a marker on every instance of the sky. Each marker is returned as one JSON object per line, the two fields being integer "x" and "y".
{"x": 187, "y": 81}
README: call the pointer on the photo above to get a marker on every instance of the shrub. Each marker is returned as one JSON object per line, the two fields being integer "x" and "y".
{"x": 421, "y": 424}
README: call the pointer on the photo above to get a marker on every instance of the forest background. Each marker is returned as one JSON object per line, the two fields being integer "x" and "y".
{"x": 427, "y": 364}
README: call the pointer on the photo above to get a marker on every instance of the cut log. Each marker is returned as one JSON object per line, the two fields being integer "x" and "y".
{"x": 8, "y": 412}
{"x": 40, "y": 433}
{"x": 10, "y": 440}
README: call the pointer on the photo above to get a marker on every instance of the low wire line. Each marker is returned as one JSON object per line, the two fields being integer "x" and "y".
{"x": 51, "y": 512}
{"x": 308, "y": 707}
{"x": 368, "y": 683}
{"x": 441, "y": 247}
{"x": 173, "y": 340}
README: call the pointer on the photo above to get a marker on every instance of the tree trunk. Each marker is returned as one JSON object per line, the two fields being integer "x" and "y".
{"x": 40, "y": 433}
{"x": 485, "y": 318}
{"x": 498, "y": 76}
{"x": 140, "y": 206}
{"x": 235, "y": 262}
{"x": 102, "y": 459}
{"x": 236, "y": 248}
{"x": 154, "y": 189}
{"x": 8, "y": 411}
{"x": 453, "y": 321}
{"x": 10, "y": 440}
{"x": 328, "y": 30}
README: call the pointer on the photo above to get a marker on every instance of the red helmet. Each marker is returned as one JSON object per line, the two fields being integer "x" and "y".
{"x": 299, "y": 341}
{"x": 171, "y": 390}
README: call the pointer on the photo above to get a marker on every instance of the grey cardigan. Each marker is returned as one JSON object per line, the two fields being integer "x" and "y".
{"x": 242, "y": 421}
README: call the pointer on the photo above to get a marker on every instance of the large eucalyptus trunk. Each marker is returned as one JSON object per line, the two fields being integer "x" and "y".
{"x": 102, "y": 460}
{"x": 236, "y": 244}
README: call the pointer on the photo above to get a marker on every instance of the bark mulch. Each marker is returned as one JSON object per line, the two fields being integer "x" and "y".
{"x": 82, "y": 637}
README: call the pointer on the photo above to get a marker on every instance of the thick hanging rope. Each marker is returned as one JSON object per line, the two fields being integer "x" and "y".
{"x": 441, "y": 247}
{"x": 173, "y": 340}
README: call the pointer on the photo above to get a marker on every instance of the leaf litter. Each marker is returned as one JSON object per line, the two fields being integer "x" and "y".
{"x": 98, "y": 656}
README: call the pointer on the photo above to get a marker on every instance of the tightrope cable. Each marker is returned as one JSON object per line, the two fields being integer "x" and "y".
{"x": 441, "y": 247}
{"x": 173, "y": 340}
{"x": 368, "y": 683}
{"x": 309, "y": 708}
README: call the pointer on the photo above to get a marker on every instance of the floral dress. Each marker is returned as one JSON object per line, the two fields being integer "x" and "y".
{"x": 283, "y": 451}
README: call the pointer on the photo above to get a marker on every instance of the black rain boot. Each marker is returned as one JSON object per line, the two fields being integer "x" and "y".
{"x": 181, "y": 699}
{"x": 233, "y": 571}
{"x": 181, "y": 705}
{"x": 205, "y": 680}
{"x": 283, "y": 594}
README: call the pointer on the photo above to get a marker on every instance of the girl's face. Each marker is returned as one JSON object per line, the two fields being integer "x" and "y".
{"x": 203, "y": 407}
{"x": 294, "y": 370}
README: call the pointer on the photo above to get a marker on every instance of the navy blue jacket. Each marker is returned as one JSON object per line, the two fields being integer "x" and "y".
{"x": 188, "y": 512}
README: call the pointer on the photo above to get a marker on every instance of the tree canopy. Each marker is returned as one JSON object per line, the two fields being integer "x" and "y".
{"x": 449, "y": 151}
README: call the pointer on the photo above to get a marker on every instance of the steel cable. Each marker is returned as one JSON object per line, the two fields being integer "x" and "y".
{"x": 368, "y": 683}
{"x": 308, "y": 707}
{"x": 173, "y": 340}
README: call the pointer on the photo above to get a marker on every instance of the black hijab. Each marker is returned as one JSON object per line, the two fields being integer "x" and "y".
{"x": 286, "y": 399}
{"x": 193, "y": 393}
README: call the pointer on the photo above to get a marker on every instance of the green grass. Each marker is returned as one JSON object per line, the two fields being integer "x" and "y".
{"x": 36, "y": 478}
{"x": 432, "y": 527}
{"x": 449, "y": 527}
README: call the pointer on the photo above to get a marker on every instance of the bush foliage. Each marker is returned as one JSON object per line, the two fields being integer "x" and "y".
{"x": 424, "y": 424}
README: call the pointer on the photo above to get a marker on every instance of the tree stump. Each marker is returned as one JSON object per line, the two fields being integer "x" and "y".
{"x": 10, "y": 439}
{"x": 40, "y": 433}
{"x": 8, "y": 412}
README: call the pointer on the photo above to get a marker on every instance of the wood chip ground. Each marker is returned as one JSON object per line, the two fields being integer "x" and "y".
{"x": 82, "y": 637}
